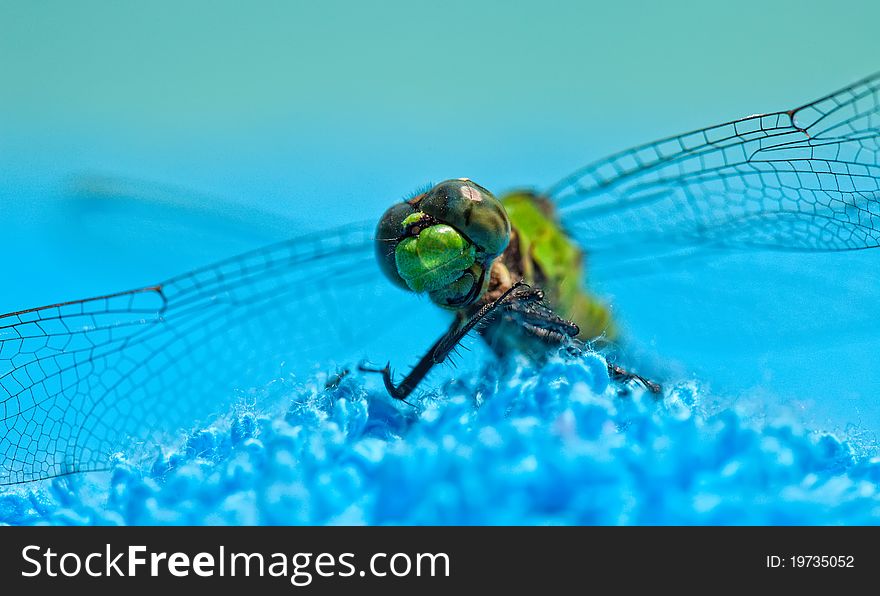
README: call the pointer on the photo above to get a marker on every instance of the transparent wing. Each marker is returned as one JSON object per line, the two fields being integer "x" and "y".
{"x": 708, "y": 220}
{"x": 801, "y": 179}
{"x": 78, "y": 379}
{"x": 104, "y": 204}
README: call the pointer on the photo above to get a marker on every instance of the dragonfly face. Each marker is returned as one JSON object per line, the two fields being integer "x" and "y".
{"x": 443, "y": 242}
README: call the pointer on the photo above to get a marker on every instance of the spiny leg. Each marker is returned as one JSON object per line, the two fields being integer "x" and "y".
{"x": 443, "y": 346}
{"x": 622, "y": 375}
{"x": 415, "y": 376}
{"x": 530, "y": 311}
{"x": 541, "y": 321}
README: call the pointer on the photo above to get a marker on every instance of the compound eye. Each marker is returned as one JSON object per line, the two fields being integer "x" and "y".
{"x": 388, "y": 235}
{"x": 443, "y": 242}
{"x": 473, "y": 211}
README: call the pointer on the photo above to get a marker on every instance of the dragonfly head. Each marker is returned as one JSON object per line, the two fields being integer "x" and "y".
{"x": 443, "y": 242}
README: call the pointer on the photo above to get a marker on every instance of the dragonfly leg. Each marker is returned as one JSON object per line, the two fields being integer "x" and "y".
{"x": 334, "y": 380}
{"x": 624, "y": 376}
{"x": 415, "y": 376}
{"x": 542, "y": 322}
{"x": 444, "y": 346}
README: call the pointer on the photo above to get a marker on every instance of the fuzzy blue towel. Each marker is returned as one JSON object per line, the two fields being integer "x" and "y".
{"x": 556, "y": 445}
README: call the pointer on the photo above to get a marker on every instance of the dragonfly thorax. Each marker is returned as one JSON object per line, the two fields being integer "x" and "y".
{"x": 443, "y": 242}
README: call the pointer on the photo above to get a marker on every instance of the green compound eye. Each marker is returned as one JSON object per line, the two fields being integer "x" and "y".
{"x": 388, "y": 235}
{"x": 443, "y": 242}
{"x": 472, "y": 210}
{"x": 433, "y": 259}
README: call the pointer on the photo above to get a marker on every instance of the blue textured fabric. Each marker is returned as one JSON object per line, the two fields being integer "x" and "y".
{"x": 555, "y": 445}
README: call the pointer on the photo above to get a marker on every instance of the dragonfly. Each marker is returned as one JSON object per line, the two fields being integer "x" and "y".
{"x": 472, "y": 254}
{"x": 81, "y": 380}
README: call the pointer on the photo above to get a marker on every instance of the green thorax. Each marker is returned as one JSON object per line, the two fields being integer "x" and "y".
{"x": 553, "y": 262}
